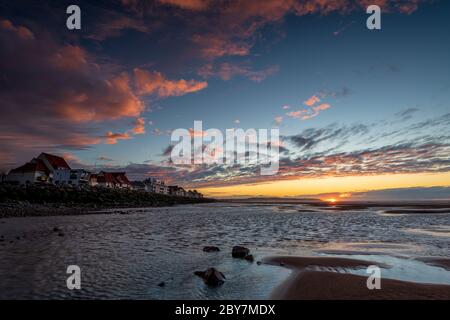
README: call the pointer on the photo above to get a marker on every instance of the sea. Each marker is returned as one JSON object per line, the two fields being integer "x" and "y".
{"x": 153, "y": 253}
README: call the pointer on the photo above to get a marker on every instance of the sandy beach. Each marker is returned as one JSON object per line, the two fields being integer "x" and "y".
{"x": 307, "y": 284}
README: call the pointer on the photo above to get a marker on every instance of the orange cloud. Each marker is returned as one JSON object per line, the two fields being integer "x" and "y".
{"x": 311, "y": 111}
{"x": 70, "y": 58}
{"x": 219, "y": 45}
{"x": 187, "y": 4}
{"x": 22, "y": 32}
{"x": 155, "y": 83}
{"x": 114, "y": 99}
{"x": 278, "y": 120}
{"x": 311, "y": 101}
{"x": 197, "y": 133}
{"x": 139, "y": 126}
{"x": 112, "y": 138}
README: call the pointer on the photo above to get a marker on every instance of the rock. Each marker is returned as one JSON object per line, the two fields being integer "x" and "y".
{"x": 61, "y": 234}
{"x": 161, "y": 284}
{"x": 240, "y": 252}
{"x": 258, "y": 263}
{"x": 249, "y": 258}
{"x": 212, "y": 277}
{"x": 211, "y": 249}
{"x": 55, "y": 229}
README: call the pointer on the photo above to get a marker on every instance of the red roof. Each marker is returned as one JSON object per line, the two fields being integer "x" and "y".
{"x": 55, "y": 161}
{"x": 121, "y": 177}
{"x": 113, "y": 177}
{"x": 32, "y": 166}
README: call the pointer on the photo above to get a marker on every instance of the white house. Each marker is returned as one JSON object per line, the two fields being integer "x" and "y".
{"x": 50, "y": 169}
{"x": 73, "y": 177}
{"x": 110, "y": 180}
{"x": 31, "y": 172}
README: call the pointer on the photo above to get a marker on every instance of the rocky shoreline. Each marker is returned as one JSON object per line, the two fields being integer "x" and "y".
{"x": 50, "y": 201}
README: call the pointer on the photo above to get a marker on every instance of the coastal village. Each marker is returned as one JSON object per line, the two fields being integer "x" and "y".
{"x": 48, "y": 169}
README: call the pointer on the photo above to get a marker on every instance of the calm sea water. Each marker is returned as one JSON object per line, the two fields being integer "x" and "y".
{"x": 127, "y": 255}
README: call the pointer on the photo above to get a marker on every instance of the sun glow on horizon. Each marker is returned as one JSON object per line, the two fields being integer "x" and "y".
{"x": 330, "y": 185}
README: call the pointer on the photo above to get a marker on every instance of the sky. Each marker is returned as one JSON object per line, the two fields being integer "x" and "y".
{"x": 358, "y": 110}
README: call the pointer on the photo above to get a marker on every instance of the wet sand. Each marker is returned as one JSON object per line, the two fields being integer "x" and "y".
{"x": 306, "y": 284}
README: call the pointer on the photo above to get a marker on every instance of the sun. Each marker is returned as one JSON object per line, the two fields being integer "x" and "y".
{"x": 331, "y": 200}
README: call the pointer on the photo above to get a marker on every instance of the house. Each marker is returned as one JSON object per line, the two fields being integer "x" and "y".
{"x": 121, "y": 179}
{"x": 48, "y": 168}
{"x": 53, "y": 162}
{"x": 177, "y": 191}
{"x": 31, "y": 172}
{"x": 110, "y": 180}
{"x": 138, "y": 185}
{"x": 156, "y": 186}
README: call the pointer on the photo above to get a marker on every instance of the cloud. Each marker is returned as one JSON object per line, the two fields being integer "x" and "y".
{"x": 187, "y": 4}
{"x": 20, "y": 31}
{"x": 112, "y": 138}
{"x": 406, "y": 114}
{"x": 226, "y": 71}
{"x": 64, "y": 95}
{"x": 311, "y": 101}
{"x": 154, "y": 83}
{"x": 139, "y": 126}
{"x": 278, "y": 120}
{"x": 312, "y": 109}
{"x": 104, "y": 159}
{"x": 112, "y": 25}
{"x": 332, "y": 136}
{"x": 213, "y": 46}
{"x": 403, "y": 194}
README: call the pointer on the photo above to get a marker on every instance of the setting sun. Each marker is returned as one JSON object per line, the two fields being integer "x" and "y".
{"x": 332, "y": 200}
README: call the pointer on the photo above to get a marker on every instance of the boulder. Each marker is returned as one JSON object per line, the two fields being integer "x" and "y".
{"x": 211, "y": 249}
{"x": 240, "y": 252}
{"x": 212, "y": 277}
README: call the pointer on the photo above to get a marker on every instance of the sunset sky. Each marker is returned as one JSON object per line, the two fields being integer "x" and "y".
{"x": 357, "y": 109}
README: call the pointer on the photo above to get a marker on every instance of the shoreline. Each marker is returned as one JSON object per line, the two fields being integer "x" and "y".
{"x": 19, "y": 201}
{"x": 26, "y": 209}
{"x": 311, "y": 280}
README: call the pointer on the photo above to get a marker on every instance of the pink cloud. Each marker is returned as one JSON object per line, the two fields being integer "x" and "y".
{"x": 278, "y": 120}
{"x": 311, "y": 101}
{"x": 312, "y": 109}
{"x": 154, "y": 83}
{"x": 21, "y": 31}
{"x": 112, "y": 138}
{"x": 139, "y": 126}
{"x": 187, "y": 4}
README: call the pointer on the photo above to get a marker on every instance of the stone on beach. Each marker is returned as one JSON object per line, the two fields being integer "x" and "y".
{"x": 211, "y": 277}
{"x": 240, "y": 252}
{"x": 211, "y": 249}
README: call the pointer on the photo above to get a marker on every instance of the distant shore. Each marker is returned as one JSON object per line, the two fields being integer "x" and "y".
{"x": 307, "y": 284}
{"x": 50, "y": 201}
{"x": 316, "y": 205}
